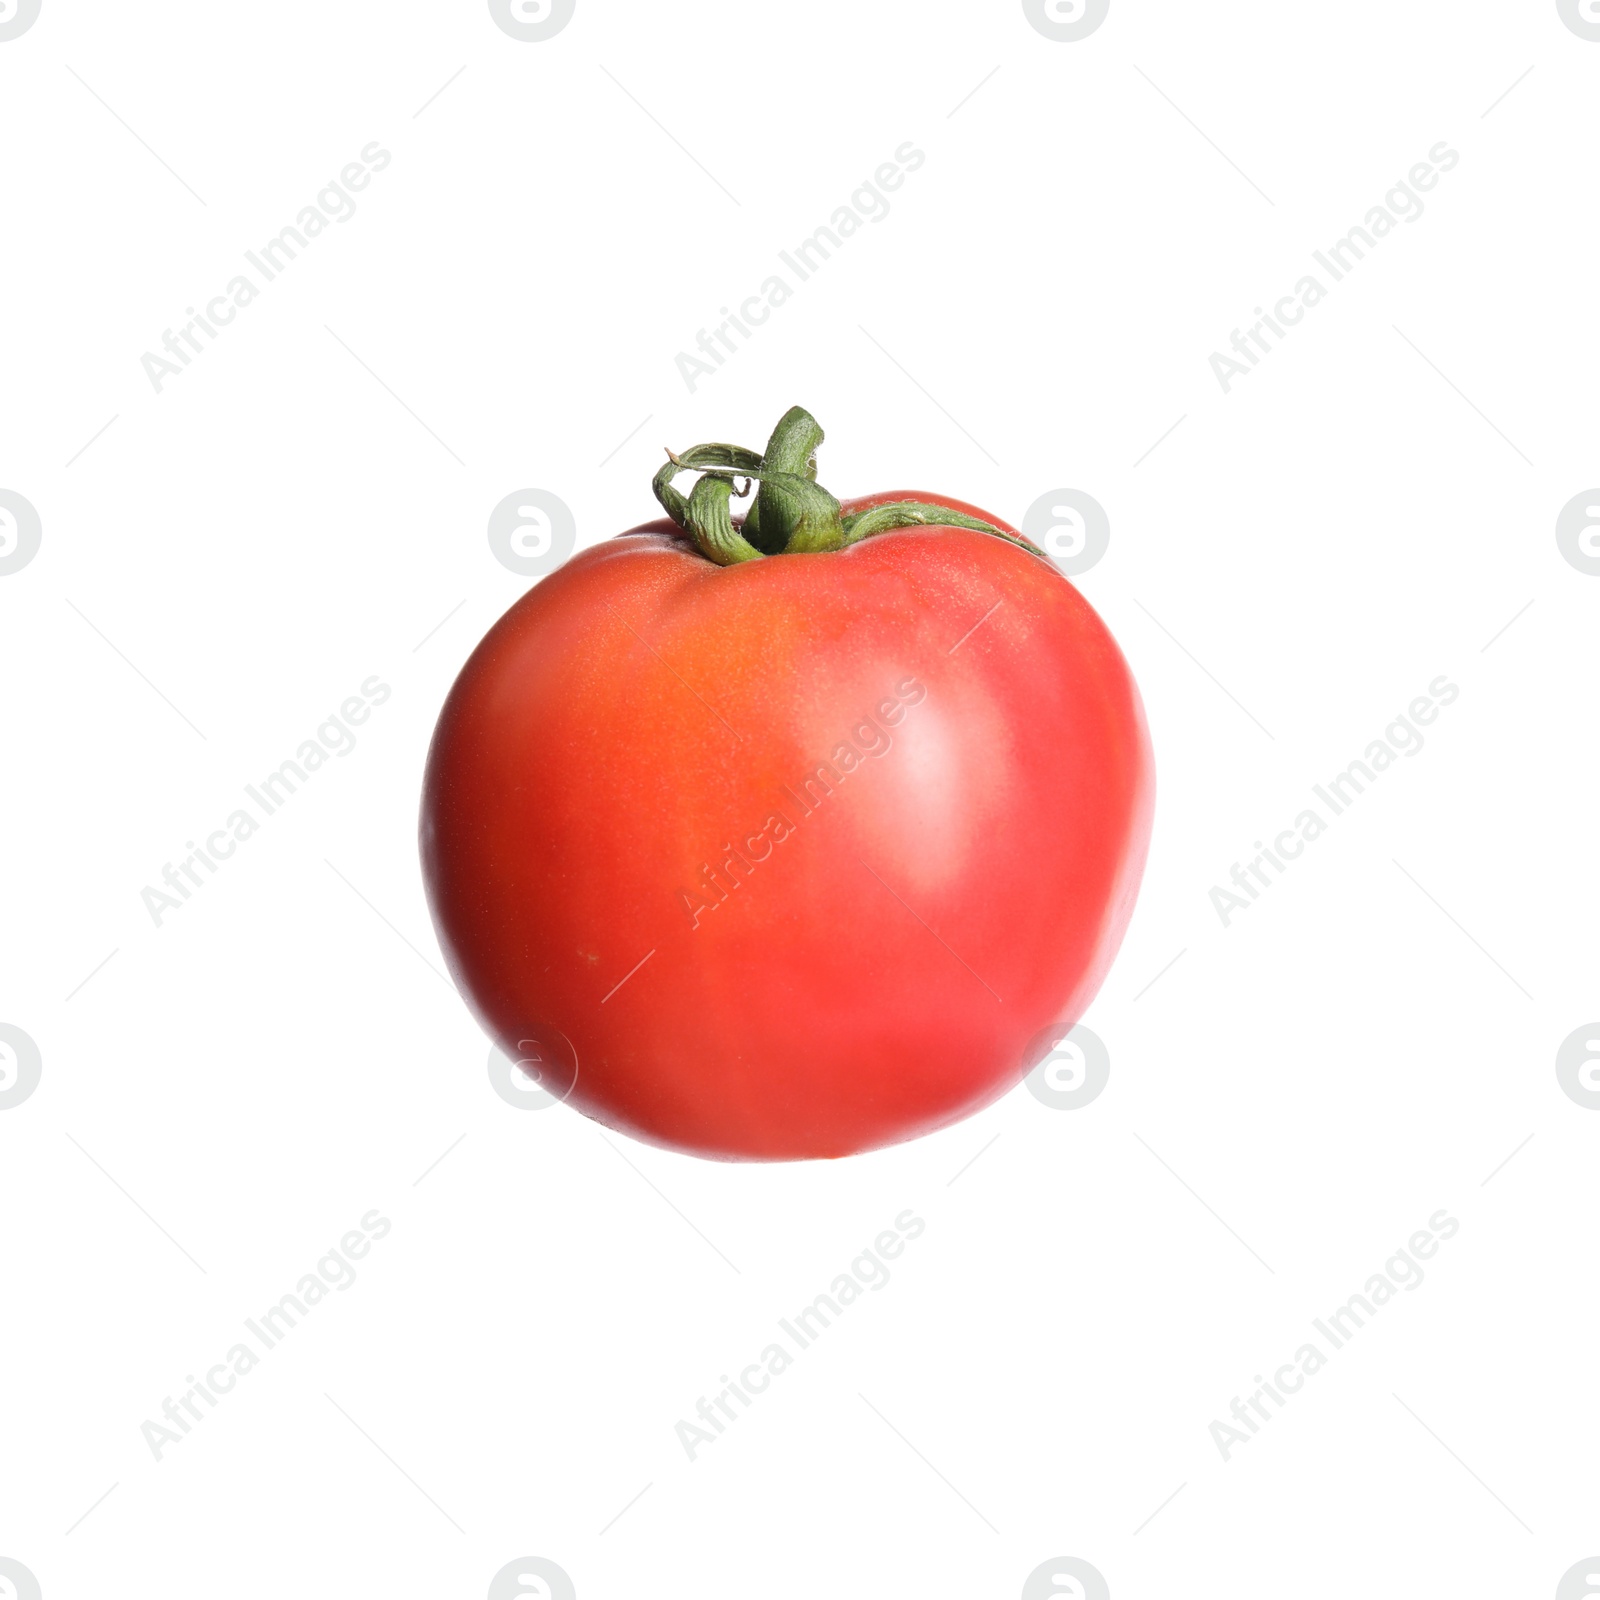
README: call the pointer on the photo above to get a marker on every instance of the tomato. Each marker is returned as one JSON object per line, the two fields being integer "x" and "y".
{"x": 796, "y": 856}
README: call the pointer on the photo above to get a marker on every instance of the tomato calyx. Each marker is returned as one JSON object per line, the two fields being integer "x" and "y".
{"x": 792, "y": 512}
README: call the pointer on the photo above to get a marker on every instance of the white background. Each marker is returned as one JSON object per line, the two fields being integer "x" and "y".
{"x": 1290, "y": 1098}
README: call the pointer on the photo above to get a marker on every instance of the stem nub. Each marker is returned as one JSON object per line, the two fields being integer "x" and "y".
{"x": 792, "y": 512}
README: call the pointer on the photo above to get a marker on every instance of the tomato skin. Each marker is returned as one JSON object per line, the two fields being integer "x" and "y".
{"x": 881, "y": 959}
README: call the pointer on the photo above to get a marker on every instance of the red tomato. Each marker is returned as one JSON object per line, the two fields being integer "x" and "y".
{"x": 794, "y": 857}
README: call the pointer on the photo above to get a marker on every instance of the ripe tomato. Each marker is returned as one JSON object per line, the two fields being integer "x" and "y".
{"x": 795, "y": 856}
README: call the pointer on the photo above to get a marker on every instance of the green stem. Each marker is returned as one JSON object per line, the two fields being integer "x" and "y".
{"x": 697, "y": 460}
{"x": 775, "y": 516}
{"x": 792, "y": 513}
{"x": 919, "y": 514}
{"x": 712, "y": 526}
